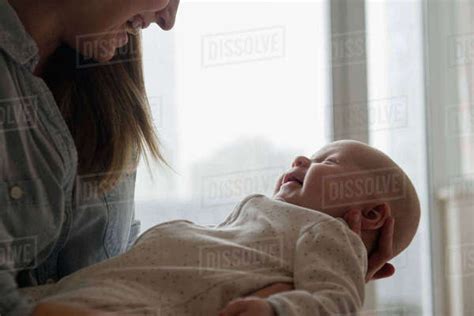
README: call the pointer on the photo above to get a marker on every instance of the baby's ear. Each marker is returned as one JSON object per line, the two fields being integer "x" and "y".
{"x": 374, "y": 217}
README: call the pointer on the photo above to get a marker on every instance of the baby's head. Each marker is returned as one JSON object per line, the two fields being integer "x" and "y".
{"x": 352, "y": 176}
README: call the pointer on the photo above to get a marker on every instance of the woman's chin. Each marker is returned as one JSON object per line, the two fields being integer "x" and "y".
{"x": 107, "y": 56}
{"x": 104, "y": 58}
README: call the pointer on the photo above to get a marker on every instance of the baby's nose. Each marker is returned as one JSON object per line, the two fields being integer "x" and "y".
{"x": 301, "y": 161}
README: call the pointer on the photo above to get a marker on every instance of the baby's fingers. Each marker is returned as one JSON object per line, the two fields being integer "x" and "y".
{"x": 384, "y": 250}
{"x": 234, "y": 308}
{"x": 354, "y": 221}
{"x": 386, "y": 271}
{"x": 250, "y": 306}
{"x": 385, "y": 245}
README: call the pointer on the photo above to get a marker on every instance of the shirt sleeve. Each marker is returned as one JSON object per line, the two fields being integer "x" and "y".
{"x": 329, "y": 273}
{"x": 32, "y": 196}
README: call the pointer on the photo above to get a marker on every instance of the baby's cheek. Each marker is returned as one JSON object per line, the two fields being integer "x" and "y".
{"x": 317, "y": 182}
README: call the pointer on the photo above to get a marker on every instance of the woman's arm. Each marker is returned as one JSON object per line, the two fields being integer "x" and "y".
{"x": 57, "y": 309}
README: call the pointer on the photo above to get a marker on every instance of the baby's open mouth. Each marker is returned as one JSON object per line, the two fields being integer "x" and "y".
{"x": 292, "y": 178}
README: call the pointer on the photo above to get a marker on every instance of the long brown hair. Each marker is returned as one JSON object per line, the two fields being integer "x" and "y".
{"x": 106, "y": 109}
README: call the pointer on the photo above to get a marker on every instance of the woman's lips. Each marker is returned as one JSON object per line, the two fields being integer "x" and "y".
{"x": 135, "y": 24}
{"x": 137, "y": 21}
{"x": 122, "y": 39}
{"x": 131, "y": 30}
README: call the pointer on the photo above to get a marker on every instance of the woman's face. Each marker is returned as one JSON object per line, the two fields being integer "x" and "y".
{"x": 96, "y": 28}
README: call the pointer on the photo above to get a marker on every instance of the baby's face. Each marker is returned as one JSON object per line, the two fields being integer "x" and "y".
{"x": 308, "y": 182}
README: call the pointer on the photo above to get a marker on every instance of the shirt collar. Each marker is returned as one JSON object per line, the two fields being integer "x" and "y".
{"x": 14, "y": 40}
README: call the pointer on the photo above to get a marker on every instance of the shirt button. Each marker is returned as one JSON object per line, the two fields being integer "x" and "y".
{"x": 16, "y": 192}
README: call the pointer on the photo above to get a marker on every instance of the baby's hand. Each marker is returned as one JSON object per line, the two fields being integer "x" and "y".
{"x": 378, "y": 267}
{"x": 248, "y": 306}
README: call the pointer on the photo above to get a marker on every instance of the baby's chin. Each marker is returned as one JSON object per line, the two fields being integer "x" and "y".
{"x": 279, "y": 198}
{"x": 281, "y": 195}
{"x": 288, "y": 198}
{"x": 299, "y": 201}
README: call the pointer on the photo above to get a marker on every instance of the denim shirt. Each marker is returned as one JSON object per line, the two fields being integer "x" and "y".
{"x": 52, "y": 222}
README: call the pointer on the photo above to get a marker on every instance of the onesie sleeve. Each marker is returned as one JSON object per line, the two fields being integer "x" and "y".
{"x": 329, "y": 273}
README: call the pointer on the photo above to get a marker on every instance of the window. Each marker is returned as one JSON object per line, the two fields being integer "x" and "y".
{"x": 238, "y": 89}
{"x": 397, "y": 127}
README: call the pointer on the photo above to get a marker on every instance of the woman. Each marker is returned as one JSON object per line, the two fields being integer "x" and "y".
{"x": 74, "y": 133}
{"x": 71, "y": 133}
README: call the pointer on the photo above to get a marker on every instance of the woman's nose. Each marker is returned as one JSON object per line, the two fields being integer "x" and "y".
{"x": 166, "y": 18}
{"x": 301, "y": 161}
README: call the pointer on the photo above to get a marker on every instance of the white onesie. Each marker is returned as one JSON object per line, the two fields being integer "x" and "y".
{"x": 180, "y": 268}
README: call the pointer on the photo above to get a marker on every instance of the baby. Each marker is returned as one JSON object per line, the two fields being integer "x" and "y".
{"x": 299, "y": 237}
